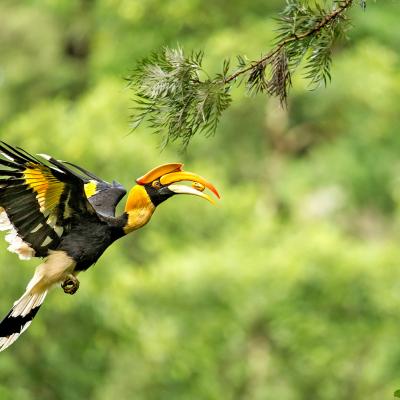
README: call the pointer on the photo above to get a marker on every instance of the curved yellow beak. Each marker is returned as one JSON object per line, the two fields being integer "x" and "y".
{"x": 199, "y": 184}
{"x": 170, "y": 174}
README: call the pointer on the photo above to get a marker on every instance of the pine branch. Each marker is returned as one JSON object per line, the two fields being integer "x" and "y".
{"x": 174, "y": 98}
{"x": 171, "y": 95}
{"x": 293, "y": 10}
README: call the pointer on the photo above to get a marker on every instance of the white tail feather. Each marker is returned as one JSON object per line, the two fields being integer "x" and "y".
{"x": 20, "y": 317}
{"x": 55, "y": 269}
{"x": 25, "y": 304}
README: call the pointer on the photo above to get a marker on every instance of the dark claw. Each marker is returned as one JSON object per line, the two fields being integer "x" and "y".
{"x": 70, "y": 285}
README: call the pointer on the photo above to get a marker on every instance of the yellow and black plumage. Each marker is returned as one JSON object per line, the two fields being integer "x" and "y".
{"x": 65, "y": 214}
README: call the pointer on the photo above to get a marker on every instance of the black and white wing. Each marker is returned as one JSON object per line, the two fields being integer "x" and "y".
{"x": 38, "y": 198}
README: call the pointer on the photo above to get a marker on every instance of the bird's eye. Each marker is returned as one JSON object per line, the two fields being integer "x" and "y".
{"x": 156, "y": 184}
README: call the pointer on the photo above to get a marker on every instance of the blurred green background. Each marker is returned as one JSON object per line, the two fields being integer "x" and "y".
{"x": 289, "y": 288}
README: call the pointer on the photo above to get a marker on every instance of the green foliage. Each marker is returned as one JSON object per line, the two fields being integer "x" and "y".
{"x": 299, "y": 20}
{"x": 288, "y": 288}
{"x": 171, "y": 95}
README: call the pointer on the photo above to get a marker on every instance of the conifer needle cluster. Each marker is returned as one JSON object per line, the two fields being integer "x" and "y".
{"x": 178, "y": 98}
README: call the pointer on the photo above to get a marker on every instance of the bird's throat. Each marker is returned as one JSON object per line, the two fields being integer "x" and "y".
{"x": 138, "y": 208}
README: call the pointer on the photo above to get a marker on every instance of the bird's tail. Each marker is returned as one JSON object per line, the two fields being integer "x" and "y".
{"x": 22, "y": 313}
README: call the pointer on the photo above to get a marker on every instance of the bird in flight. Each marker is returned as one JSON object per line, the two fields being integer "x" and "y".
{"x": 62, "y": 213}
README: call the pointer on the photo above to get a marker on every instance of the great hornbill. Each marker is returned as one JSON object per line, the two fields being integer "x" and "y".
{"x": 65, "y": 214}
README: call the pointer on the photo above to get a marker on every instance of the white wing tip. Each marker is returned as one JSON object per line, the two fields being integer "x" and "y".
{"x": 44, "y": 155}
{"x": 7, "y": 156}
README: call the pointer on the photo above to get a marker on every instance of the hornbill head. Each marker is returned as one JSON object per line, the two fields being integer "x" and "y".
{"x": 158, "y": 185}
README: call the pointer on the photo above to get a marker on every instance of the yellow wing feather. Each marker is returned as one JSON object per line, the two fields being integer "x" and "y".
{"x": 48, "y": 189}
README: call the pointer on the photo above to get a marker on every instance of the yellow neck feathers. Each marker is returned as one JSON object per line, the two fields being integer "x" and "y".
{"x": 139, "y": 208}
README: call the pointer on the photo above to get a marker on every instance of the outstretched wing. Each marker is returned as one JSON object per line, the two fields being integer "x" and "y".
{"x": 37, "y": 201}
{"x": 103, "y": 196}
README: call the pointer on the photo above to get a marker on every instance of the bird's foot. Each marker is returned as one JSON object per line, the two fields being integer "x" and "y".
{"x": 70, "y": 285}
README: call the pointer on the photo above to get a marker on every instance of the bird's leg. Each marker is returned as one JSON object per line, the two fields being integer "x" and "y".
{"x": 71, "y": 284}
